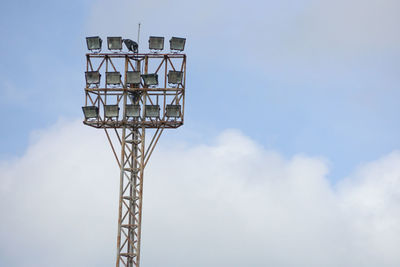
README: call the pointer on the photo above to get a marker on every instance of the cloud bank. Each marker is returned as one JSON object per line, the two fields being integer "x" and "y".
{"x": 228, "y": 203}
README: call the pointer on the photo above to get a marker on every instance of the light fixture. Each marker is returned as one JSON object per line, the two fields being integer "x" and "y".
{"x": 92, "y": 77}
{"x": 132, "y": 111}
{"x": 94, "y": 43}
{"x": 111, "y": 111}
{"x": 150, "y": 79}
{"x": 177, "y": 44}
{"x": 173, "y": 111}
{"x": 175, "y": 77}
{"x": 114, "y": 43}
{"x": 156, "y": 43}
{"x": 113, "y": 78}
{"x": 133, "y": 77}
{"x": 90, "y": 112}
{"x": 152, "y": 111}
{"x": 131, "y": 45}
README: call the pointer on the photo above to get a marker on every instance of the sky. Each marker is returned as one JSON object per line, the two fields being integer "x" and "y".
{"x": 290, "y": 105}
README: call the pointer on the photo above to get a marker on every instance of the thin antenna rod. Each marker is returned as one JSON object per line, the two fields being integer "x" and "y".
{"x": 138, "y": 34}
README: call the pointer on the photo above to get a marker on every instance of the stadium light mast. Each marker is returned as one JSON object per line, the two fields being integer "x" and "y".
{"x": 141, "y": 93}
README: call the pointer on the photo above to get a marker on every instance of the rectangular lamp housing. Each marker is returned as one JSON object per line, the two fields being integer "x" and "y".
{"x": 175, "y": 77}
{"x": 177, "y": 43}
{"x": 113, "y": 77}
{"x": 150, "y": 79}
{"x": 111, "y": 111}
{"x": 90, "y": 112}
{"x": 92, "y": 77}
{"x": 156, "y": 43}
{"x": 133, "y": 111}
{"x": 173, "y": 111}
{"x": 152, "y": 111}
{"x": 133, "y": 77}
{"x": 114, "y": 43}
{"x": 94, "y": 43}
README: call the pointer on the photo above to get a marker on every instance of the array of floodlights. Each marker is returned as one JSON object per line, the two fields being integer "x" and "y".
{"x": 132, "y": 111}
{"x": 133, "y": 78}
{"x": 156, "y": 44}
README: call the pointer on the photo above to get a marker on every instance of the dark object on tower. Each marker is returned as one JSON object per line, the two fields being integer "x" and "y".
{"x": 135, "y": 96}
{"x": 131, "y": 45}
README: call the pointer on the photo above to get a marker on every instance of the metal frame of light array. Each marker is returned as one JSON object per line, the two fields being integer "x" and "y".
{"x": 92, "y": 77}
{"x": 114, "y": 43}
{"x": 177, "y": 44}
{"x": 94, "y": 43}
{"x": 156, "y": 43}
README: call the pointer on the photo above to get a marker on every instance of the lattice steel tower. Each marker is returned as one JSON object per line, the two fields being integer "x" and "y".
{"x": 148, "y": 97}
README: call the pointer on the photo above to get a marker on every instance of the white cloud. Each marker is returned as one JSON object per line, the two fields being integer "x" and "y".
{"x": 230, "y": 203}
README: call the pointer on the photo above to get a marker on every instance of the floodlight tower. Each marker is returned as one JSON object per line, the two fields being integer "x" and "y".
{"x": 148, "y": 97}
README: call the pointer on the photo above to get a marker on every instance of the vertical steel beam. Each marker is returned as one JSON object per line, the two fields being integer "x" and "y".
{"x": 131, "y": 188}
{"x": 130, "y": 198}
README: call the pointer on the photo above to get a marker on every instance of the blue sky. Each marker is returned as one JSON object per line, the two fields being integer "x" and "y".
{"x": 38, "y": 67}
{"x": 290, "y": 144}
{"x": 310, "y": 77}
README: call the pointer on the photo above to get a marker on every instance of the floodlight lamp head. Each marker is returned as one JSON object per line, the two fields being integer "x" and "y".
{"x": 177, "y": 44}
{"x": 94, "y": 43}
{"x": 152, "y": 111}
{"x": 111, "y": 111}
{"x": 150, "y": 79}
{"x": 92, "y": 78}
{"x": 175, "y": 77}
{"x": 156, "y": 43}
{"x": 173, "y": 111}
{"x": 131, "y": 45}
{"x": 133, "y": 78}
{"x": 113, "y": 78}
{"x": 90, "y": 112}
{"x": 114, "y": 43}
{"x": 132, "y": 111}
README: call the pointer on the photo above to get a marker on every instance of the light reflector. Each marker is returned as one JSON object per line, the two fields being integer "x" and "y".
{"x": 150, "y": 79}
{"x": 156, "y": 43}
{"x": 111, "y": 111}
{"x": 133, "y": 111}
{"x": 94, "y": 43}
{"x": 173, "y": 111}
{"x": 152, "y": 111}
{"x": 114, "y": 43}
{"x": 92, "y": 77}
{"x": 175, "y": 77}
{"x": 133, "y": 77}
{"x": 113, "y": 78}
{"x": 90, "y": 112}
{"x": 177, "y": 43}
